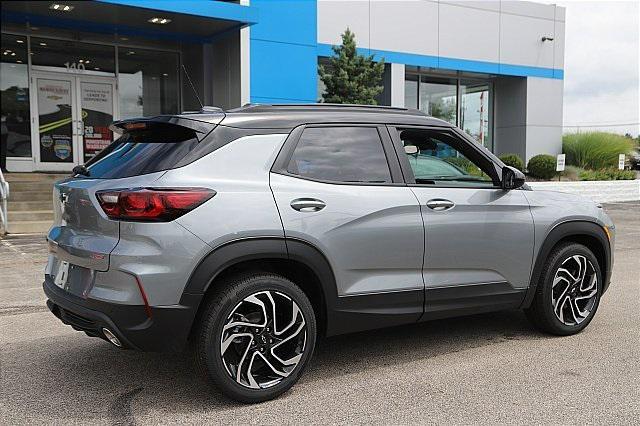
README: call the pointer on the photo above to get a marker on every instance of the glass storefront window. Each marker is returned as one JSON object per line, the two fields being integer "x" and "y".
{"x": 148, "y": 82}
{"x": 474, "y": 111}
{"x": 14, "y": 84}
{"x": 73, "y": 56}
{"x": 465, "y": 103}
{"x": 411, "y": 91}
{"x": 438, "y": 98}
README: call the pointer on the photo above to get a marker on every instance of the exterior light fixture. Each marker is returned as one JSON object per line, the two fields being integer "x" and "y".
{"x": 20, "y": 41}
{"x": 61, "y": 7}
{"x": 547, "y": 38}
{"x": 43, "y": 44}
{"x": 159, "y": 21}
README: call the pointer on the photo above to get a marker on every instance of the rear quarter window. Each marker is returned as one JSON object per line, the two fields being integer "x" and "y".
{"x": 143, "y": 151}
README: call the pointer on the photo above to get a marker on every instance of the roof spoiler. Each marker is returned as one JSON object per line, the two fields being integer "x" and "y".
{"x": 201, "y": 126}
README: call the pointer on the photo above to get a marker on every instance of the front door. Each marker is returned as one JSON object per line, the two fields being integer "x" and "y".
{"x": 478, "y": 237}
{"x": 70, "y": 118}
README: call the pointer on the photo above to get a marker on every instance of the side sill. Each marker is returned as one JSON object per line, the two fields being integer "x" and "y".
{"x": 371, "y": 311}
{"x": 445, "y": 302}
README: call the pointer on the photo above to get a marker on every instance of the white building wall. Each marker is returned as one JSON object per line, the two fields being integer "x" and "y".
{"x": 405, "y": 26}
{"x": 507, "y": 32}
{"x": 468, "y": 32}
{"x": 527, "y": 111}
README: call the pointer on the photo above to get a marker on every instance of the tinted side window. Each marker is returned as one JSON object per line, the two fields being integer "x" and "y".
{"x": 340, "y": 154}
{"x": 438, "y": 158}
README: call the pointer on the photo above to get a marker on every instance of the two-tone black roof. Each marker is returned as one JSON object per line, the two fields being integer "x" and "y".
{"x": 288, "y": 116}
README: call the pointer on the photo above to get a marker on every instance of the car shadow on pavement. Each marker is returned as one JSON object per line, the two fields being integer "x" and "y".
{"x": 85, "y": 379}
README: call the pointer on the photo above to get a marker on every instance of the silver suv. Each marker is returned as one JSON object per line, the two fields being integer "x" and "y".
{"x": 250, "y": 233}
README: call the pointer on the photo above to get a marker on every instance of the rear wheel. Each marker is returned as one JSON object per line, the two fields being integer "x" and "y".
{"x": 569, "y": 290}
{"x": 257, "y": 335}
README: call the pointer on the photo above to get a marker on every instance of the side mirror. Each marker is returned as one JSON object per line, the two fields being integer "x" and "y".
{"x": 410, "y": 149}
{"x": 512, "y": 178}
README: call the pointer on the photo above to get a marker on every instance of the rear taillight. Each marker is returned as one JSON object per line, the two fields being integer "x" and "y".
{"x": 151, "y": 204}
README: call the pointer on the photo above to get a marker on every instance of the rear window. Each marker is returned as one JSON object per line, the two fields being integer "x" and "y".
{"x": 139, "y": 152}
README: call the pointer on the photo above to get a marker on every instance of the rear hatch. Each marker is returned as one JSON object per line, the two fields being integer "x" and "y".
{"x": 82, "y": 234}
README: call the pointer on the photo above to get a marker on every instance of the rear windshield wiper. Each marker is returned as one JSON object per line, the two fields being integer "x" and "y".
{"x": 81, "y": 170}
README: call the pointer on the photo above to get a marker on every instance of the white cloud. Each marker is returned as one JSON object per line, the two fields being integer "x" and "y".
{"x": 602, "y": 64}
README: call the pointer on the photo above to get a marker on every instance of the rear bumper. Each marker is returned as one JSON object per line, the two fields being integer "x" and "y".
{"x": 166, "y": 330}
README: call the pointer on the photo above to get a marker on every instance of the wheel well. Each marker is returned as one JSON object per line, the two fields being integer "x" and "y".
{"x": 593, "y": 244}
{"x": 293, "y": 270}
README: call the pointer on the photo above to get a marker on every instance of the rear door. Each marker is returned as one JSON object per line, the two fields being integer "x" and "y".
{"x": 479, "y": 237}
{"x": 336, "y": 190}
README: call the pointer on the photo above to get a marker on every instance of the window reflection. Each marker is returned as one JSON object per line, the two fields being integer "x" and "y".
{"x": 14, "y": 84}
{"x": 148, "y": 82}
{"x": 341, "y": 154}
{"x": 411, "y": 91}
{"x": 438, "y": 99}
{"x": 474, "y": 111}
{"x": 464, "y": 103}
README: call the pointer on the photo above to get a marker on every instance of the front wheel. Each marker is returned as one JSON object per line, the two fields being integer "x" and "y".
{"x": 257, "y": 335}
{"x": 569, "y": 290}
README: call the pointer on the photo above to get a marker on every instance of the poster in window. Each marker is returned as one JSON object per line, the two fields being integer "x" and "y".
{"x": 55, "y": 121}
{"x": 97, "y": 115}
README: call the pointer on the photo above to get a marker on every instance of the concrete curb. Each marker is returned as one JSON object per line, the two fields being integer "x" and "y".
{"x": 598, "y": 191}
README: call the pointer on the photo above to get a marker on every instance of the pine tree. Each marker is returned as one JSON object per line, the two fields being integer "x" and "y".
{"x": 351, "y": 78}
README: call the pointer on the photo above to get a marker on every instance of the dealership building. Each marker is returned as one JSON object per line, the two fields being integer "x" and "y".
{"x": 493, "y": 68}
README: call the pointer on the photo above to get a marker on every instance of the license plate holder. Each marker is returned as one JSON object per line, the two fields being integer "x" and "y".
{"x": 62, "y": 276}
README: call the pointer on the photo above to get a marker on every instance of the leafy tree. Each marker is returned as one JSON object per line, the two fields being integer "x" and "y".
{"x": 351, "y": 78}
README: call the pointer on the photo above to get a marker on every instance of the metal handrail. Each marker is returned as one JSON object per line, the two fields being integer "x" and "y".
{"x": 4, "y": 196}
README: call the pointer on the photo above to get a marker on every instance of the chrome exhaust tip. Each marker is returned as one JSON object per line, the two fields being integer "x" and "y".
{"x": 111, "y": 337}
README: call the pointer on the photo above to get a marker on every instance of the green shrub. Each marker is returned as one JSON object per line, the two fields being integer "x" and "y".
{"x": 464, "y": 164}
{"x": 607, "y": 174}
{"x": 513, "y": 160}
{"x": 595, "y": 150}
{"x": 542, "y": 166}
{"x": 572, "y": 173}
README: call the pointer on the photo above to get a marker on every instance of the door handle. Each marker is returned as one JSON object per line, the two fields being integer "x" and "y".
{"x": 307, "y": 204}
{"x": 439, "y": 204}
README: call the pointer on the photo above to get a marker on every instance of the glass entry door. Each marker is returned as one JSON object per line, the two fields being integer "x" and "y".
{"x": 97, "y": 105}
{"x": 70, "y": 116}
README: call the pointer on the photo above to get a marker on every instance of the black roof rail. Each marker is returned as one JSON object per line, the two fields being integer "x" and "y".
{"x": 371, "y": 108}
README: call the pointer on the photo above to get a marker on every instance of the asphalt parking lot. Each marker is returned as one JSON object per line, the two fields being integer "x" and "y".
{"x": 482, "y": 369}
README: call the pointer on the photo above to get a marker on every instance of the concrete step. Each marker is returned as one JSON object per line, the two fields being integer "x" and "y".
{"x": 20, "y": 206}
{"x": 40, "y": 186}
{"x": 31, "y": 196}
{"x": 37, "y": 177}
{"x": 29, "y": 216}
{"x": 30, "y": 227}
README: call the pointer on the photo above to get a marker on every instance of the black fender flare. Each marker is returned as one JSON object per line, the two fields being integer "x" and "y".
{"x": 578, "y": 228}
{"x": 261, "y": 248}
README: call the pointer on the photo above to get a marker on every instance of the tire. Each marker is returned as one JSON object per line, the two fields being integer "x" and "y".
{"x": 228, "y": 305}
{"x": 561, "y": 311}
